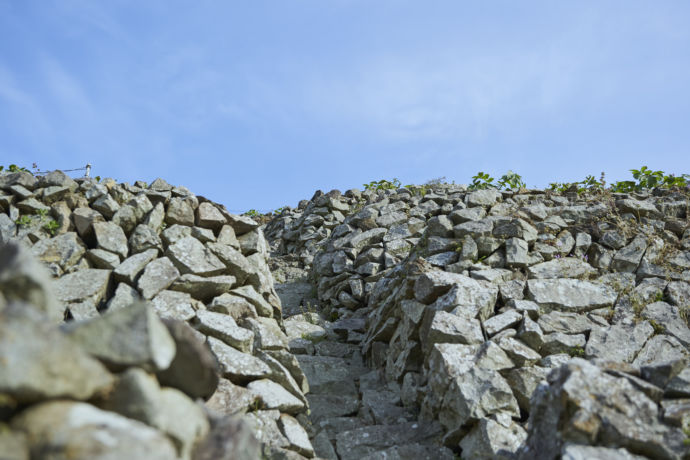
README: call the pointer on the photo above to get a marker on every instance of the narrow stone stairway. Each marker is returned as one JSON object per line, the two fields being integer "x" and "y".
{"x": 353, "y": 414}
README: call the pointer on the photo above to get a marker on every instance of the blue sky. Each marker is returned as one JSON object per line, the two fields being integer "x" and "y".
{"x": 258, "y": 104}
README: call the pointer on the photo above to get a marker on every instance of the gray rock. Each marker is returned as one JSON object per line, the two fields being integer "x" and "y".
{"x": 84, "y": 218}
{"x": 328, "y": 375}
{"x": 414, "y": 451}
{"x": 531, "y": 333}
{"x": 190, "y": 256}
{"x": 124, "y": 296}
{"x": 23, "y": 278}
{"x": 110, "y": 237}
{"x": 130, "y": 336}
{"x": 564, "y": 267}
{"x": 14, "y": 445}
{"x": 355, "y": 444}
{"x": 628, "y": 258}
{"x": 208, "y": 216}
{"x": 106, "y": 205}
{"x": 179, "y": 212}
{"x": 580, "y": 452}
{"x": 128, "y": 271}
{"x": 248, "y": 293}
{"x": 516, "y": 252}
{"x": 264, "y": 424}
{"x": 678, "y": 293}
{"x": 194, "y": 369}
{"x": 237, "y": 265}
{"x": 473, "y": 229}
{"x": 236, "y": 366}
{"x": 660, "y": 349}
{"x": 125, "y": 218}
{"x": 224, "y": 327}
{"x": 23, "y": 178}
{"x": 105, "y": 260}
{"x": 80, "y": 431}
{"x": 516, "y": 228}
{"x": 204, "y": 288}
{"x": 231, "y": 438}
{"x": 235, "y": 306}
{"x": 144, "y": 238}
{"x": 267, "y": 333}
{"x": 563, "y": 343}
{"x": 231, "y": 399}
{"x": 64, "y": 250}
{"x": 518, "y": 352}
{"x": 141, "y": 205}
{"x": 274, "y": 396}
{"x": 32, "y": 360}
{"x": 668, "y": 317}
{"x": 158, "y": 275}
{"x": 296, "y": 435}
{"x": 618, "y": 342}
{"x": 176, "y": 305}
{"x": 523, "y": 381}
{"x": 174, "y": 233}
{"x": 570, "y": 294}
{"x": 487, "y": 197}
{"x": 497, "y": 323}
{"x": 582, "y": 403}
{"x": 443, "y": 327}
{"x": 240, "y": 224}
{"x": 491, "y": 439}
{"x": 84, "y": 285}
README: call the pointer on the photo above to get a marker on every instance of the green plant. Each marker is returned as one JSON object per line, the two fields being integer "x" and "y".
{"x": 511, "y": 180}
{"x": 280, "y": 210}
{"x": 647, "y": 178}
{"x": 576, "y": 352}
{"x": 252, "y": 213}
{"x": 42, "y": 213}
{"x": 659, "y": 296}
{"x": 14, "y": 168}
{"x": 420, "y": 190}
{"x": 98, "y": 178}
{"x": 51, "y": 226}
{"x": 658, "y": 328}
{"x": 24, "y": 220}
{"x": 481, "y": 180}
{"x": 383, "y": 184}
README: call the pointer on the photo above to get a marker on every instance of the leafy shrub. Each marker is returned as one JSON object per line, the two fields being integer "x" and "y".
{"x": 383, "y": 184}
{"x": 252, "y": 213}
{"x": 511, "y": 180}
{"x": 51, "y": 226}
{"x": 24, "y": 220}
{"x": 481, "y": 181}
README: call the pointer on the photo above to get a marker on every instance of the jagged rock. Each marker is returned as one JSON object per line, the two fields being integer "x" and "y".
{"x": 570, "y": 294}
{"x": 236, "y": 366}
{"x": 32, "y": 360}
{"x": 660, "y": 349}
{"x": 230, "y": 439}
{"x": 194, "y": 369}
{"x": 523, "y": 381}
{"x": 265, "y": 427}
{"x": 240, "y": 224}
{"x": 145, "y": 238}
{"x": 274, "y": 396}
{"x": 105, "y": 260}
{"x": 208, "y": 216}
{"x": 110, "y": 237}
{"x": 190, "y": 256}
{"x": 491, "y": 439}
{"x": 497, "y": 323}
{"x": 580, "y": 452}
{"x": 618, "y": 342}
{"x": 583, "y": 404}
{"x": 558, "y": 342}
{"x": 267, "y": 333}
{"x": 668, "y": 317}
{"x": 204, "y": 288}
{"x": 138, "y": 396}
{"x": 64, "y": 250}
{"x": 75, "y": 430}
{"x": 130, "y": 336}
{"x": 296, "y": 435}
{"x": 83, "y": 286}
{"x": 179, "y": 212}
{"x": 158, "y": 275}
{"x": 130, "y": 268}
{"x": 22, "y": 278}
{"x": 124, "y": 296}
{"x": 231, "y": 399}
{"x": 443, "y": 327}
{"x": 248, "y": 293}
{"x": 628, "y": 258}
{"x": 224, "y": 327}
{"x": 565, "y": 267}
{"x": 235, "y": 306}
{"x": 568, "y": 323}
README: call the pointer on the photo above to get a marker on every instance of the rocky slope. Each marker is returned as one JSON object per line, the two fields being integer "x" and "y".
{"x": 401, "y": 324}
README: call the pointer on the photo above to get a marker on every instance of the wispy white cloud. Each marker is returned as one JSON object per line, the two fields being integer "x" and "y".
{"x": 67, "y": 90}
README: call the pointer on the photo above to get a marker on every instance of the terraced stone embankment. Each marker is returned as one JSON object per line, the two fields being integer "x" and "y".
{"x": 527, "y": 325}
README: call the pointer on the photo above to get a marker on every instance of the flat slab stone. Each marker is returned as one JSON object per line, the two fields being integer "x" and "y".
{"x": 355, "y": 444}
{"x": 224, "y": 327}
{"x": 570, "y": 295}
{"x": 111, "y": 237}
{"x": 190, "y": 256}
{"x": 236, "y": 366}
{"x": 158, "y": 275}
{"x": 274, "y": 396}
{"x": 175, "y": 305}
{"x": 64, "y": 250}
{"x": 88, "y": 284}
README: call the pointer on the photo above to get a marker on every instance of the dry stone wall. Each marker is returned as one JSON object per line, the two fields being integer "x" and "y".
{"x": 139, "y": 321}
{"x": 528, "y": 325}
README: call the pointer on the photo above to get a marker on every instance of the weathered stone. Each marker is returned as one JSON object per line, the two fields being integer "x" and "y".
{"x": 262, "y": 306}
{"x": 491, "y": 439}
{"x": 296, "y": 435}
{"x": 582, "y": 403}
{"x": 668, "y": 317}
{"x": 125, "y": 218}
{"x": 158, "y": 275}
{"x": 267, "y": 333}
{"x": 23, "y": 178}
{"x": 224, "y": 327}
{"x": 497, "y": 323}
{"x": 130, "y": 336}
{"x": 89, "y": 284}
{"x": 523, "y": 381}
{"x": 580, "y": 452}
{"x": 570, "y": 294}
{"x": 83, "y": 432}
{"x": 628, "y": 258}
{"x": 32, "y": 360}
{"x": 563, "y": 343}
{"x": 235, "y": 306}
{"x": 124, "y": 296}
{"x": 100, "y": 258}
{"x": 237, "y": 265}
{"x": 357, "y": 443}
{"x": 179, "y": 212}
{"x": 22, "y": 278}
{"x": 443, "y": 327}
{"x": 516, "y": 252}
{"x": 231, "y": 438}
{"x": 63, "y": 250}
{"x": 618, "y": 342}
{"x": 487, "y": 197}
{"x": 564, "y": 267}
{"x": 190, "y": 256}
{"x": 660, "y": 349}
{"x": 84, "y": 218}
{"x": 274, "y": 396}
{"x": 264, "y": 424}
{"x": 144, "y": 238}
{"x": 106, "y": 205}
{"x": 204, "y": 288}
{"x": 208, "y": 216}
{"x": 518, "y": 352}
{"x": 130, "y": 269}
{"x": 231, "y": 399}
{"x": 236, "y": 366}
{"x": 241, "y": 224}
{"x": 110, "y": 237}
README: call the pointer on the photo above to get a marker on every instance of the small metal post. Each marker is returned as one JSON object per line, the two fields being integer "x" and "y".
{"x": 88, "y": 170}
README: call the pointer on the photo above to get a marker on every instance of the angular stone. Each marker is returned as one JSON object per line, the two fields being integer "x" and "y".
{"x": 64, "y": 250}
{"x": 497, "y": 323}
{"x": 204, "y": 288}
{"x": 105, "y": 260}
{"x": 274, "y": 396}
{"x": 443, "y": 327}
{"x": 580, "y": 452}
{"x": 473, "y": 229}
{"x": 176, "y": 305}
{"x": 618, "y": 342}
{"x": 237, "y": 265}
{"x": 110, "y": 237}
{"x": 581, "y": 403}
{"x": 190, "y": 256}
{"x": 236, "y": 366}
{"x": 231, "y": 438}
{"x": 179, "y": 212}
{"x": 23, "y": 178}
{"x": 129, "y": 270}
{"x": 125, "y": 218}
{"x": 174, "y": 233}
{"x": 264, "y": 424}
{"x": 33, "y": 365}
{"x": 88, "y": 433}
{"x": 23, "y": 278}
{"x": 224, "y": 327}
{"x": 564, "y": 267}
{"x": 563, "y": 343}
{"x": 267, "y": 333}
{"x": 235, "y": 306}
{"x": 90, "y": 284}
{"x": 296, "y": 435}
{"x": 208, "y": 216}
{"x": 130, "y": 336}
{"x": 570, "y": 294}
{"x": 668, "y": 317}
{"x": 628, "y": 258}
{"x": 84, "y": 218}
{"x": 523, "y": 381}
{"x": 124, "y": 296}
{"x": 230, "y": 399}
{"x": 328, "y": 375}
{"x": 487, "y": 197}
{"x": 157, "y": 276}
{"x": 144, "y": 238}
{"x": 241, "y": 224}
{"x": 661, "y": 349}
{"x": 262, "y": 306}
{"x": 490, "y": 439}
{"x": 106, "y": 205}
{"x": 516, "y": 228}
{"x": 518, "y": 352}
{"x": 516, "y": 252}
